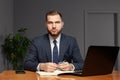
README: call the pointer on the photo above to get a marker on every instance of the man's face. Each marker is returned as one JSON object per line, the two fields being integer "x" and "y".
{"x": 54, "y": 25}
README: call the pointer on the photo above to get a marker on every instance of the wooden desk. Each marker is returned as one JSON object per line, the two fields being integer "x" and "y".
{"x": 11, "y": 75}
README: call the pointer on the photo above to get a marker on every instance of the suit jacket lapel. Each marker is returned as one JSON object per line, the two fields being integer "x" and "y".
{"x": 48, "y": 49}
{"x": 62, "y": 47}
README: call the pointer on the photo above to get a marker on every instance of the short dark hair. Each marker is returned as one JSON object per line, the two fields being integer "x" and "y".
{"x": 53, "y": 12}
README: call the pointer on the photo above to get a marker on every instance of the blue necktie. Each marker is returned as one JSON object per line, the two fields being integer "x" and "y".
{"x": 55, "y": 52}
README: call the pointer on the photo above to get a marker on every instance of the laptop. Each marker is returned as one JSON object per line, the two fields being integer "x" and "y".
{"x": 100, "y": 60}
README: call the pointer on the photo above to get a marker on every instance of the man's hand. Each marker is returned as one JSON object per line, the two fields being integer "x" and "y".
{"x": 65, "y": 66}
{"x": 48, "y": 67}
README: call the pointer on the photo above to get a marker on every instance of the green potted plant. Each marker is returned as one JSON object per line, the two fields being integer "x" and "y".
{"x": 15, "y": 47}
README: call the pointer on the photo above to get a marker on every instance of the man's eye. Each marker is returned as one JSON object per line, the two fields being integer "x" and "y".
{"x": 49, "y": 22}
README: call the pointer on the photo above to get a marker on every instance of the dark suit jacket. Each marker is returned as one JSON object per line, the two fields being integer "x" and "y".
{"x": 40, "y": 52}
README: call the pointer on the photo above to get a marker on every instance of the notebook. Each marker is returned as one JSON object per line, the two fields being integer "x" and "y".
{"x": 100, "y": 60}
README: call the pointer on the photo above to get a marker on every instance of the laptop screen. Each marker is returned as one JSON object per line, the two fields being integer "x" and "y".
{"x": 100, "y": 60}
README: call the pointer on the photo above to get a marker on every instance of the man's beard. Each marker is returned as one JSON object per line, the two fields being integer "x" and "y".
{"x": 54, "y": 35}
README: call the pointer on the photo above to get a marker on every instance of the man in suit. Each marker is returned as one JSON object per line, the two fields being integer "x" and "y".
{"x": 40, "y": 55}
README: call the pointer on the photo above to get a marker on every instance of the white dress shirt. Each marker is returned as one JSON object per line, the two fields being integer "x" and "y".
{"x": 52, "y": 44}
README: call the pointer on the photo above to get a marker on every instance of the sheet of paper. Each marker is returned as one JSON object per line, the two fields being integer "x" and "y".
{"x": 55, "y": 73}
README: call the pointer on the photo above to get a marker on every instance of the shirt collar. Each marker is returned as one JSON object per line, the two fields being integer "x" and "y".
{"x": 57, "y": 39}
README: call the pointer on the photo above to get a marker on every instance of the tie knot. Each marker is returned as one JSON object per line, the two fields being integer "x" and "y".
{"x": 54, "y": 41}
